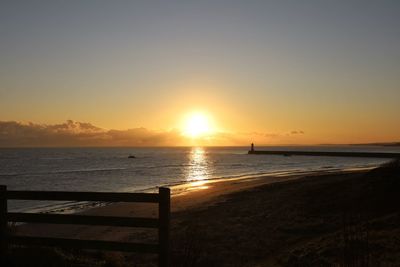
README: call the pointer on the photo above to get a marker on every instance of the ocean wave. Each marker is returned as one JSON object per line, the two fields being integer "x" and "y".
{"x": 92, "y": 170}
{"x": 169, "y": 166}
{"x": 58, "y": 158}
{"x": 109, "y": 171}
{"x": 63, "y": 171}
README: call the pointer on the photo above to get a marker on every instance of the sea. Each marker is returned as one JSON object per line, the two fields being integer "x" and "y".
{"x": 111, "y": 169}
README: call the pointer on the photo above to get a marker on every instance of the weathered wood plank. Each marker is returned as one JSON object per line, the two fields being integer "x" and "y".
{"x": 83, "y": 196}
{"x": 163, "y": 232}
{"x": 3, "y": 220}
{"x": 83, "y": 219}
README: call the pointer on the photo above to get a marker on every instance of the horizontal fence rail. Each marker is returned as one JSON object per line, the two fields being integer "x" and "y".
{"x": 83, "y": 219}
{"x": 162, "y": 223}
{"x": 83, "y": 196}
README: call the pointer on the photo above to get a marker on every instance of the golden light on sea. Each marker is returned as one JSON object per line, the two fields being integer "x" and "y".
{"x": 198, "y": 169}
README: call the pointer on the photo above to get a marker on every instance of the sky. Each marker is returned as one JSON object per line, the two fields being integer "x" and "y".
{"x": 271, "y": 72}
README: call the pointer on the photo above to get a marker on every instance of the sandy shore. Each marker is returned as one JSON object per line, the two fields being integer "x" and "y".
{"x": 318, "y": 219}
{"x": 200, "y": 194}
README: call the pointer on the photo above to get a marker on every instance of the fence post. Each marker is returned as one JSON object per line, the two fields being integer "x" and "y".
{"x": 163, "y": 230}
{"x": 3, "y": 221}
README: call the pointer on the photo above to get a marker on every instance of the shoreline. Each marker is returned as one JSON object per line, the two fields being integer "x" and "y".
{"x": 199, "y": 196}
{"x": 297, "y": 220}
{"x": 194, "y": 185}
{"x": 186, "y": 187}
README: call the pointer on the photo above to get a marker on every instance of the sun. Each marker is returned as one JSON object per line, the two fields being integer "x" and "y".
{"x": 196, "y": 125}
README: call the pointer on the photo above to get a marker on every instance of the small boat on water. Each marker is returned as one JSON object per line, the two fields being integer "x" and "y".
{"x": 131, "y": 157}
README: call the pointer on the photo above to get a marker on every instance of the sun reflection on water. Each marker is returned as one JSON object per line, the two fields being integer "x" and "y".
{"x": 198, "y": 169}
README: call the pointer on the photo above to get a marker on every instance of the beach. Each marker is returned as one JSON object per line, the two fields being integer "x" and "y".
{"x": 200, "y": 133}
{"x": 184, "y": 197}
{"x": 313, "y": 219}
{"x": 110, "y": 169}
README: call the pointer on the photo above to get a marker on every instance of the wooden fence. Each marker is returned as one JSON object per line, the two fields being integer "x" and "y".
{"x": 162, "y": 222}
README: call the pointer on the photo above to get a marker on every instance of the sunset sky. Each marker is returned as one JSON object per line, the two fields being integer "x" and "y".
{"x": 150, "y": 72}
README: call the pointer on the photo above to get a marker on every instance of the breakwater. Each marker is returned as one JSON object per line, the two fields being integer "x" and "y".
{"x": 327, "y": 154}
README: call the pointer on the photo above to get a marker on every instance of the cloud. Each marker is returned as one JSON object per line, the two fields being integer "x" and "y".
{"x": 80, "y": 134}
{"x": 70, "y": 133}
{"x": 296, "y": 132}
{"x": 73, "y": 127}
